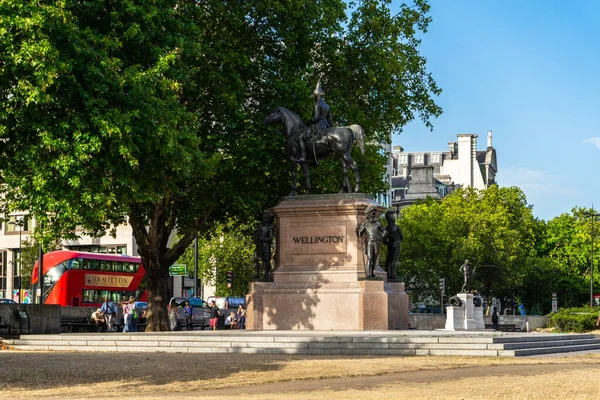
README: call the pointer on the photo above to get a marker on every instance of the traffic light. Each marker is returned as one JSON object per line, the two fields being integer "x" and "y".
{"x": 229, "y": 279}
{"x": 443, "y": 284}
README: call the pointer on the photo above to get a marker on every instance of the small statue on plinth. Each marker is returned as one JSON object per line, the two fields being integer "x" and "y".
{"x": 466, "y": 270}
{"x": 392, "y": 240}
{"x": 375, "y": 233}
{"x": 263, "y": 237}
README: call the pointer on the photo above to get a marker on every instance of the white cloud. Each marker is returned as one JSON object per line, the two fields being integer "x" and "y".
{"x": 593, "y": 140}
{"x": 535, "y": 183}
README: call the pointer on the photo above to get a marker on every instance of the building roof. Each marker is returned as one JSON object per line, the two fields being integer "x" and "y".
{"x": 399, "y": 182}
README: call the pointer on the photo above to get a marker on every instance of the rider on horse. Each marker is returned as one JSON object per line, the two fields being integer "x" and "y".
{"x": 320, "y": 121}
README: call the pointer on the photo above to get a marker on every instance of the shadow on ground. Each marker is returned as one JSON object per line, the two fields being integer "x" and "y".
{"x": 37, "y": 370}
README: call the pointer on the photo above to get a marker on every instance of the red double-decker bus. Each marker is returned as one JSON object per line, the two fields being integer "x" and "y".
{"x": 74, "y": 278}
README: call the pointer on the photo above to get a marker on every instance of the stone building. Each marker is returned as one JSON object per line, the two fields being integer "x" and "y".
{"x": 434, "y": 174}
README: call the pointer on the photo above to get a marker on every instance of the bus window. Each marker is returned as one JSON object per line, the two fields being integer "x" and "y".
{"x": 52, "y": 276}
{"x": 75, "y": 263}
{"x": 90, "y": 264}
{"x": 117, "y": 266}
{"x": 104, "y": 265}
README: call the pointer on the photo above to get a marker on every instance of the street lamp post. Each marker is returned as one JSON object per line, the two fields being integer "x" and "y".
{"x": 593, "y": 216}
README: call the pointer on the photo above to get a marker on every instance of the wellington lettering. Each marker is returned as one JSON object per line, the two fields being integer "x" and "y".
{"x": 318, "y": 239}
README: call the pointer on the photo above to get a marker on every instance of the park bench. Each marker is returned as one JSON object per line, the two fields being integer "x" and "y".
{"x": 505, "y": 327}
{"x": 77, "y": 324}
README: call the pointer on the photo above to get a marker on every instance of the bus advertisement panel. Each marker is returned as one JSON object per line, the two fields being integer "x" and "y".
{"x": 73, "y": 278}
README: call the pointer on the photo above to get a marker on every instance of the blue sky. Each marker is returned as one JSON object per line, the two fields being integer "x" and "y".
{"x": 528, "y": 71}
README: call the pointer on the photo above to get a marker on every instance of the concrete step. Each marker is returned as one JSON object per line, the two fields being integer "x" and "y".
{"x": 539, "y": 344}
{"x": 552, "y": 350}
{"x": 542, "y": 337}
{"x": 326, "y": 343}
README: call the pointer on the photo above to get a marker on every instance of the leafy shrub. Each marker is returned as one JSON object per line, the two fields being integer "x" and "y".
{"x": 578, "y": 319}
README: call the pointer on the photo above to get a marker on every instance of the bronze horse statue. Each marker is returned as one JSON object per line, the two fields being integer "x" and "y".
{"x": 337, "y": 140}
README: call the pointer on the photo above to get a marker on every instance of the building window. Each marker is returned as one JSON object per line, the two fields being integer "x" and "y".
{"x": 17, "y": 223}
{"x": 16, "y": 256}
{"x": 419, "y": 159}
{"x": 435, "y": 158}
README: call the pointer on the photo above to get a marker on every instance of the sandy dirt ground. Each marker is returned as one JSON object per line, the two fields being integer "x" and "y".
{"x": 44, "y": 375}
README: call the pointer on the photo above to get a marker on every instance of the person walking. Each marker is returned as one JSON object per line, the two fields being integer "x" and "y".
{"x": 109, "y": 309}
{"x": 126, "y": 316}
{"x": 214, "y": 315}
{"x": 133, "y": 315}
{"x": 172, "y": 309}
{"x": 495, "y": 325}
{"x": 189, "y": 313}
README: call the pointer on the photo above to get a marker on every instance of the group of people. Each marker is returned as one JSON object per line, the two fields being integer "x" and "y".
{"x": 235, "y": 320}
{"x": 104, "y": 317}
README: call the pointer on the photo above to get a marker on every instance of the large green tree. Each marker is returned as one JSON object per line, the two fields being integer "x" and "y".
{"x": 564, "y": 248}
{"x": 494, "y": 229}
{"x": 149, "y": 112}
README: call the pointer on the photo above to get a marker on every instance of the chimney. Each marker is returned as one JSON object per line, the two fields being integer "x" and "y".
{"x": 467, "y": 157}
{"x": 489, "y": 139}
{"x": 452, "y": 147}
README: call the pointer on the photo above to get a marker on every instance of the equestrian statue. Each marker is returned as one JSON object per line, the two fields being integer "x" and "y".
{"x": 306, "y": 145}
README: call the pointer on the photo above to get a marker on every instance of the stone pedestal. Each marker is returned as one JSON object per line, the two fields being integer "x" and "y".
{"x": 319, "y": 279}
{"x": 478, "y": 316}
{"x": 465, "y": 317}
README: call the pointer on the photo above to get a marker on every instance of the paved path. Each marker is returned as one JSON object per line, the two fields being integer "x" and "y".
{"x": 369, "y": 382}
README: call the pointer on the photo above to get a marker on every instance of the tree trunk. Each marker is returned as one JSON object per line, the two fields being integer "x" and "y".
{"x": 152, "y": 238}
{"x": 158, "y": 294}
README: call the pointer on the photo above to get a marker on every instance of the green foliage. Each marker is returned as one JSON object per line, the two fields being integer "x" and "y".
{"x": 150, "y": 111}
{"x": 227, "y": 247}
{"x": 543, "y": 278}
{"x": 493, "y": 229}
{"x": 581, "y": 319}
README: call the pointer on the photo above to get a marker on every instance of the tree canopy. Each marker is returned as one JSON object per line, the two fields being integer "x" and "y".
{"x": 494, "y": 229}
{"x": 149, "y": 112}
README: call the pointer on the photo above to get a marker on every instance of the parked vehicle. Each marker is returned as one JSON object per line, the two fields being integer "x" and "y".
{"x": 197, "y": 302}
{"x": 234, "y": 302}
{"x": 220, "y": 301}
{"x": 7, "y": 301}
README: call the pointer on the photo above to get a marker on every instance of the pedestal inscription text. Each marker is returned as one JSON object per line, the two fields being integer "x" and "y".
{"x": 318, "y": 239}
{"x": 324, "y": 239}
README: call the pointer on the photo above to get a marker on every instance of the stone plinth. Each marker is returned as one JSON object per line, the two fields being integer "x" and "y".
{"x": 319, "y": 279}
{"x": 465, "y": 317}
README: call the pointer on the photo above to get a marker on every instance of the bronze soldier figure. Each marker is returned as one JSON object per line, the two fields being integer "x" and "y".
{"x": 466, "y": 270}
{"x": 392, "y": 241}
{"x": 375, "y": 233}
{"x": 262, "y": 252}
{"x": 320, "y": 121}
